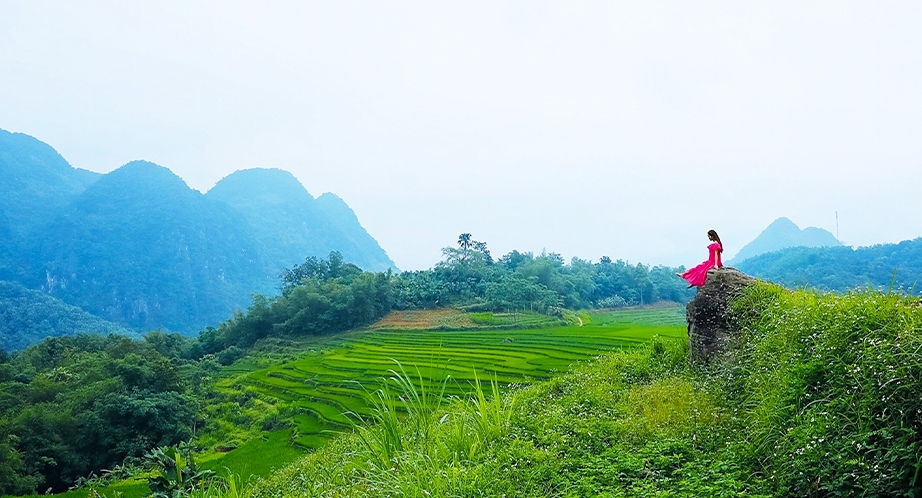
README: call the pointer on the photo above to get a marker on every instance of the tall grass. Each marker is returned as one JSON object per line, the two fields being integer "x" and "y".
{"x": 572, "y": 436}
{"x": 403, "y": 412}
{"x": 832, "y": 387}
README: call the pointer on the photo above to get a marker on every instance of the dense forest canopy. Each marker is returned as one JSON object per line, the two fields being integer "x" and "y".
{"x": 323, "y": 296}
{"x": 74, "y": 405}
{"x": 843, "y": 268}
{"x": 28, "y": 316}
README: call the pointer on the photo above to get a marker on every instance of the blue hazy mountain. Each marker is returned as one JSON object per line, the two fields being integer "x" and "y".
{"x": 291, "y": 225}
{"x": 138, "y": 247}
{"x": 36, "y": 183}
{"x": 783, "y": 233}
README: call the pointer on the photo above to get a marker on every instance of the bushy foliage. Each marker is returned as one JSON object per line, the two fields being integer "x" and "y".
{"x": 468, "y": 275}
{"x": 831, "y": 385}
{"x": 322, "y": 296}
{"x": 318, "y": 297}
{"x": 70, "y": 406}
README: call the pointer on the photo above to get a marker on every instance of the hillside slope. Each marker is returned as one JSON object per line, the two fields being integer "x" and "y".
{"x": 819, "y": 398}
{"x": 141, "y": 248}
{"x": 37, "y": 183}
{"x": 842, "y": 268}
{"x": 28, "y": 316}
{"x": 366, "y": 252}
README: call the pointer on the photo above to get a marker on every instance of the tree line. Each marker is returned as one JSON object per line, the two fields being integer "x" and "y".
{"x": 882, "y": 267}
{"x": 322, "y": 296}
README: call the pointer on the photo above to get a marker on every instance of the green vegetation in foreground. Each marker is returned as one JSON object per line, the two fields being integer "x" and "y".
{"x": 820, "y": 397}
{"x": 325, "y": 392}
{"x": 264, "y": 417}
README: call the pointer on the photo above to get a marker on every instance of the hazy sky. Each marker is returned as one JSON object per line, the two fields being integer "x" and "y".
{"x": 625, "y": 129}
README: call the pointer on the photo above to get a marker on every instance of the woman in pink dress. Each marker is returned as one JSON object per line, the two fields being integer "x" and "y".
{"x": 698, "y": 275}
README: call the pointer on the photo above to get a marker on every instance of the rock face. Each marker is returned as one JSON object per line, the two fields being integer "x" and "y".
{"x": 709, "y": 325}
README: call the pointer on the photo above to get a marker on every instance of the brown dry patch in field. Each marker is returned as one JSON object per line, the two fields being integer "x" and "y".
{"x": 425, "y": 319}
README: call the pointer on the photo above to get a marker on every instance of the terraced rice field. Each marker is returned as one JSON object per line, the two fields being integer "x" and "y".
{"x": 455, "y": 319}
{"x": 329, "y": 387}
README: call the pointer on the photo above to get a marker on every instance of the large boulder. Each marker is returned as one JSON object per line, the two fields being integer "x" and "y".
{"x": 709, "y": 323}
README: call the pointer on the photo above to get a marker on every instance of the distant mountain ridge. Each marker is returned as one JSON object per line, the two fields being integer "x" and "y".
{"x": 36, "y": 183}
{"x": 781, "y": 234}
{"x": 138, "y": 247}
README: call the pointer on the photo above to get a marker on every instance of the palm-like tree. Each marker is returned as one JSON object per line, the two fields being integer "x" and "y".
{"x": 464, "y": 241}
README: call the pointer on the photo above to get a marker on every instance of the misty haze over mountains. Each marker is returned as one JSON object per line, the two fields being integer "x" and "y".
{"x": 138, "y": 247}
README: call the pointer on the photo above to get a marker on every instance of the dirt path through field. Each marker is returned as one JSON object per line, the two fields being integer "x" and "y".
{"x": 580, "y": 320}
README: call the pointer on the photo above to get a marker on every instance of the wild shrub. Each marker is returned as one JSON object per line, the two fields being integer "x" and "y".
{"x": 831, "y": 387}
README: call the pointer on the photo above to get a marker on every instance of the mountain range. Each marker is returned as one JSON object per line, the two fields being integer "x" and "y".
{"x": 138, "y": 247}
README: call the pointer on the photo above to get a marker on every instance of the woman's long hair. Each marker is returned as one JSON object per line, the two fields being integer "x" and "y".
{"x": 713, "y": 234}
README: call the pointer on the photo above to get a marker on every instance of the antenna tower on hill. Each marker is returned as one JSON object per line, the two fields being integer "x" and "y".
{"x": 837, "y": 227}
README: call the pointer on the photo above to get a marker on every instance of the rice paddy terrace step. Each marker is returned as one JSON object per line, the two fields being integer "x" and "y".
{"x": 327, "y": 385}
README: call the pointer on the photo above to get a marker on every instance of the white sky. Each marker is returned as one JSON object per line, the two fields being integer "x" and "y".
{"x": 625, "y": 129}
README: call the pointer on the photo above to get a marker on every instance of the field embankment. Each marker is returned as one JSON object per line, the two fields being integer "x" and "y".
{"x": 819, "y": 396}
{"x": 456, "y": 319}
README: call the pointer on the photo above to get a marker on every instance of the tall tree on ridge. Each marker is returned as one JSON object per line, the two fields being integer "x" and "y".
{"x": 465, "y": 242}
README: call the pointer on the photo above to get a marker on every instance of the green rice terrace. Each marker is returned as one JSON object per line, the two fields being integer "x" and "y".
{"x": 327, "y": 389}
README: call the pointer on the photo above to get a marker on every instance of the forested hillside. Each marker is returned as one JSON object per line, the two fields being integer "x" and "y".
{"x": 28, "y": 316}
{"x": 152, "y": 253}
{"x": 37, "y": 183}
{"x": 321, "y": 296}
{"x": 74, "y": 405}
{"x": 842, "y": 268}
{"x": 138, "y": 247}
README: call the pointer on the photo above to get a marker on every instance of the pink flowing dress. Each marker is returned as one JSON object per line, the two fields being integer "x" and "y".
{"x": 697, "y": 275}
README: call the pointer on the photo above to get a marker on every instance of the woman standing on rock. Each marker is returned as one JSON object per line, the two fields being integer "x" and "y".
{"x": 698, "y": 275}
